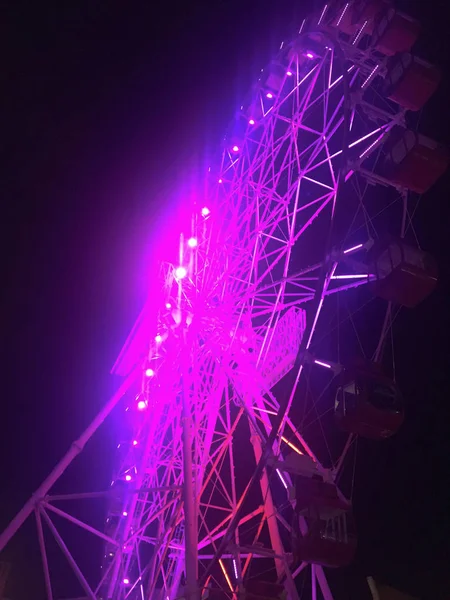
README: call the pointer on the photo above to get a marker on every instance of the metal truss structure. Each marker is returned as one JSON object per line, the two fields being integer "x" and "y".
{"x": 231, "y": 376}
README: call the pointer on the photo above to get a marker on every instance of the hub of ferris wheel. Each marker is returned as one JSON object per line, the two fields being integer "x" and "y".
{"x": 267, "y": 350}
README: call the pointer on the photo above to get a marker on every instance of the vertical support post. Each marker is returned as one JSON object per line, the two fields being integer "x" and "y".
{"x": 70, "y": 559}
{"x": 324, "y": 587}
{"x": 373, "y": 588}
{"x": 189, "y": 495}
{"x": 40, "y": 531}
{"x": 271, "y": 518}
{"x": 313, "y": 582}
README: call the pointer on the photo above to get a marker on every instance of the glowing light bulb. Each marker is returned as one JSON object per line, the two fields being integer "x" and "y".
{"x": 149, "y": 372}
{"x": 220, "y": 180}
{"x": 142, "y": 405}
{"x": 127, "y": 477}
{"x": 309, "y": 55}
{"x": 168, "y": 305}
{"x": 125, "y": 514}
{"x": 180, "y": 272}
{"x": 289, "y": 73}
{"x": 135, "y": 442}
{"x": 158, "y": 339}
{"x": 235, "y": 148}
{"x": 126, "y": 581}
{"x": 205, "y": 211}
{"x": 251, "y": 122}
{"x": 192, "y": 242}
{"x": 269, "y": 95}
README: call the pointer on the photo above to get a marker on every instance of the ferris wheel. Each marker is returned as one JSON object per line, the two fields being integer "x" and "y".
{"x": 268, "y": 352}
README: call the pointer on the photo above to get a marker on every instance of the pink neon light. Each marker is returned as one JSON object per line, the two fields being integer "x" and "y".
{"x": 269, "y": 95}
{"x": 282, "y": 479}
{"x": 192, "y": 242}
{"x": 309, "y": 55}
{"x": 372, "y": 73}
{"x": 149, "y": 372}
{"x": 342, "y": 15}
{"x": 142, "y": 405}
{"x": 235, "y": 568}
{"x": 368, "y": 135}
{"x": 124, "y": 514}
{"x": 353, "y": 249}
{"x": 235, "y": 148}
{"x": 220, "y": 180}
{"x": 323, "y": 12}
{"x": 135, "y": 442}
{"x": 322, "y": 364}
{"x": 126, "y": 581}
{"x": 127, "y": 477}
{"x": 158, "y": 339}
{"x": 289, "y": 73}
{"x": 205, "y": 211}
{"x": 168, "y": 305}
{"x": 180, "y": 272}
{"x": 251, "y": 122}
{"x": 361, "y": 276}
{"x": 372, "y": 145}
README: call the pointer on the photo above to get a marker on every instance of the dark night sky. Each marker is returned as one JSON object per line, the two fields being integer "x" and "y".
{"x": 103, "y": 104}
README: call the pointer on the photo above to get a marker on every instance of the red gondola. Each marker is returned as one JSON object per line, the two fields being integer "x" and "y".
{"x": 116, "y": 498}
{"x": 415, "y": 162}
{"x": 411, "y": 81}
{"x": 331, "y": 538}
{"x": 263, "y": 590}
{"x": 403, "y": 274}
{"x": 254, "y": 589}
{"x": 395, "y": 32}
{"x": 368, "y": 403}
{"x": 274, "y": 79}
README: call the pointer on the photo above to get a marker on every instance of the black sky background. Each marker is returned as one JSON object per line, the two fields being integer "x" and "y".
{"x": 103, "y": 106}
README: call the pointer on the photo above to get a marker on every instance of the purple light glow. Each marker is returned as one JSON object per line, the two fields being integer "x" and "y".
{"x": 289, "y": 73}
{"x": 180, "y": 272}
{"x": 149, "y": 372}
{"x": 125, "y": 514}
{"x": 135, "y": 442}
{"x": 235, "y": 568}
{"x": 282, "y": 479}
{"x": 142, "y": 405}
{"x": 322, "y": 364}
{"x": 158, "y": 339}
{"x": 309, "y": 55}
{"x": 353, "y": 249}
{"x": 192, "y": 242}
{"x": 205, "y": 211}
{"x": 220, "y": 180}
{"x": 365, "y": 136}
{"x": 168, "y": 305}
{"x": 269, "y": 95}
{"x": 126, "y": 581}
{"x": 127, "y": 477}
{"x": 235, "y": 148}
{"x": 251, "y": 122}
{"x": 359, "y": 276}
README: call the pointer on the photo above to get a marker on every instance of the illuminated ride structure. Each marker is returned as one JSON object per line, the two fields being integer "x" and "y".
{"x": 270, "y": 349}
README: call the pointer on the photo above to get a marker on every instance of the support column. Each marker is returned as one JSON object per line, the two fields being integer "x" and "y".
{"x": 190, "y": 507}
{"x": 271, "y": 516}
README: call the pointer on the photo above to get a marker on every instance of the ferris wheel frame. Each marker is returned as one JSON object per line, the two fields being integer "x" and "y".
{"x": 240, "y": 312}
